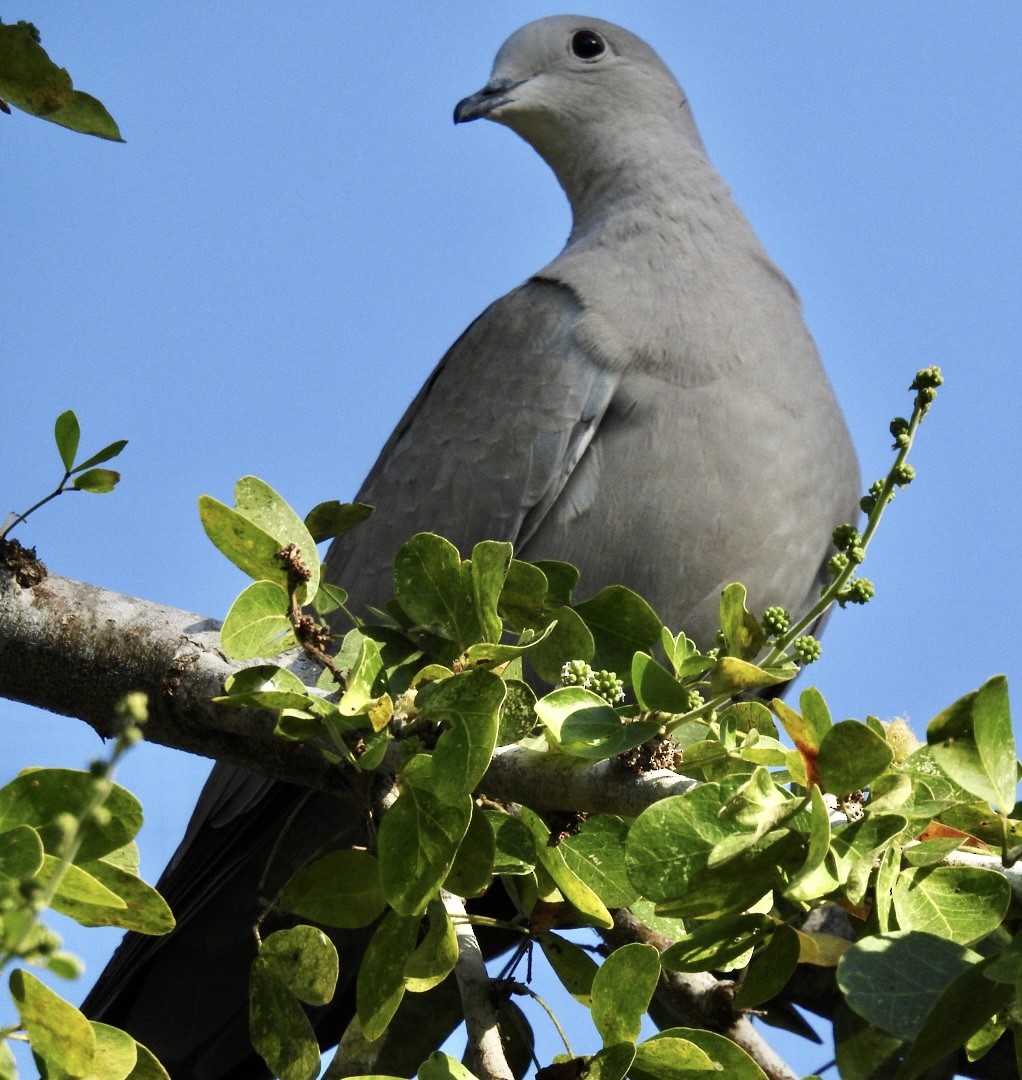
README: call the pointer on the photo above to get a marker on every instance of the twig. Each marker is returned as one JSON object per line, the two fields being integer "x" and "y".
{"x": 475, "y": 987}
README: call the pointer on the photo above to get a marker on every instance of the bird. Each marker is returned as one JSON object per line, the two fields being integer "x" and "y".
{"x": 648, "y": 406}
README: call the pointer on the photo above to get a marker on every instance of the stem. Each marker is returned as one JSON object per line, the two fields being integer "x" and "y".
{"x": 527, "y": 991}
{"x": 71, "y": 848}
{"x": 835, "y": 587}
{"x": 19, "y": 518}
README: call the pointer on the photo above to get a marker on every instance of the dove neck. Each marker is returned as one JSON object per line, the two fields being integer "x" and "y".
{"x": 636, "y": 192}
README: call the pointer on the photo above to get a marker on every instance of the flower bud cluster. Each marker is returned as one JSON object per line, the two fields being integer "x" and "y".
{"x": 604, "y": 683}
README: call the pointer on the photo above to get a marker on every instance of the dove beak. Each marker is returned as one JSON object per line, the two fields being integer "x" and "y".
{"x": 480, "y": 104}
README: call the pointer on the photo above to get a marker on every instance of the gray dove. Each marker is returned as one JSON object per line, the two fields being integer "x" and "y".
{"x": 648, "y": 406}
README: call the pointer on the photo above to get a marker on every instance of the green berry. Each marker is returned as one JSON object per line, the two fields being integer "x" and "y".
{"x": 837, "y": 564}
{"x": 903, "y": 474}
{"x": 608, "y": 686}
{"x": 775, "y": 620}
{"x": 576, "y": 673}
{"x": 695, "y": 700}
{"x": 806, "y": 648}
{"x": 927, "y": 378}
{"x": 846, "y": 536}
{"x": 858, "y": 591}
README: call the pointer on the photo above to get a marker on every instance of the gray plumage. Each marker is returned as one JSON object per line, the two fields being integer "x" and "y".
{"x": 648, "y": 406}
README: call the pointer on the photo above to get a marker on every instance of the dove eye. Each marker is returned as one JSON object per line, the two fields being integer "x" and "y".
{"x": 587, "y": 44}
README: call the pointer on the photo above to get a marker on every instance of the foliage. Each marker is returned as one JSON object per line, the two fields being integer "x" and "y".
{"x": 31, "y": 81}
{"x": 913, "y": 845}
{"x": 86, "y": 476}
{"x": 67, "y": 842}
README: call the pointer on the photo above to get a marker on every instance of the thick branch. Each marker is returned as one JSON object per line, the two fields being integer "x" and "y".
{"x": 76, "y": 649}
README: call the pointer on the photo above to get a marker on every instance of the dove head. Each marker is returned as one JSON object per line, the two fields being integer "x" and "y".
{"x": 595, "y": 101}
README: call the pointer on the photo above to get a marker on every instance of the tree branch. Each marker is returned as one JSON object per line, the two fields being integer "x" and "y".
{"x": 474, "y": 984}
{"x": 76, "y": 650}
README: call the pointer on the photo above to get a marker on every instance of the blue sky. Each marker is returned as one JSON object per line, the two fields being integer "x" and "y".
{"x": 261, "y": 277}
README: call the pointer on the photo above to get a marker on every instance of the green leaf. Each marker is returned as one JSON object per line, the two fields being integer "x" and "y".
{"x": 561, "y": 579}
{"x": 814, "y": 879}
{"x": 339, "y": 889}
{"x": 66, "y": 431}
{"x": 108, "y": 452}
{"x": 31, "y": 81}
{"x": 38, "y": 796}
{"x": 731, "y": 1060}
{"x": 97, "y": 481}
{"x": 329, "y": 519}
{"x": 742, "y": 632}
{"x": 440, "y": 1066}
{"x": 418, "y": 840}
{"x": 622, "y": 991}
{"x": 731, "y": 675}
{"x": 58, "y": 1032}
{"x": 329, "y": 598}
{"x": 611, "y": 1063}
{"x": 468, "y": 706}
{"x": 655, "y": 687}
{"x": 973, "y": 743}
{"x": 305, "y": 961}
{"x": 367, "y": 680}
{"x": 739, "y": 882}
{"x": 488, "y": 568}
{"x": 573, "y": 965}
{"x": 894, "y": 980}
{"x": 582, "y": 724}
{"x": 969, "y": 1001}
{"x": 435, "y": 956}
{"x": 381, "y": 984}
{"x": 671, "y": 841}
{"x": 517, "y": 713}
{"x": 961, "y": 903}
{"x": 574, "y": 890}
{"x": 670, "y": 1058}
{"x": 116, "y": 1054}
{"x": 515, "y": 846}
{"x": 770, "y": 969}
{"x": 596, "y": 854}
{"x": 140, "y": 906}
{"x": 252, "y": 549}
{"x": 856, "y": 846}
{"x": 146, "y": 1066}
{"x": 434, "y": 590}
{"x": 570, "y": 639}
{"x": 851, "y": 756}
{"x": 65, "y": 965}
{"x": 259, "y": 503}
{"x": 716, "y": 942}
{"x": 257, "y": 624}
{"x": 522, "y": 596}
{"x": 281, "y": 1032}
{"x": 21, "y": 853}
{"x": 622, "y": 623}
{"x": 807, "y": 730}
{"x": 472, "y": 870}
{"x": 862, "y": 1050}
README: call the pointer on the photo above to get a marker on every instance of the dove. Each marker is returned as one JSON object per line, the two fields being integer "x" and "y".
{"x": 648, "y": 406}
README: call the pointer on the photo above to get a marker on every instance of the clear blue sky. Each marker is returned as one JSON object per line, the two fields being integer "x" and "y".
{"x": 294, "y": 232}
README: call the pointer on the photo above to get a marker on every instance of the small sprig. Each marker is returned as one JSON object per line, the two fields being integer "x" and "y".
{"x": 32, "y": 942}
{"x": 67, "y": 433}
{"x": 851, "y": 544}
